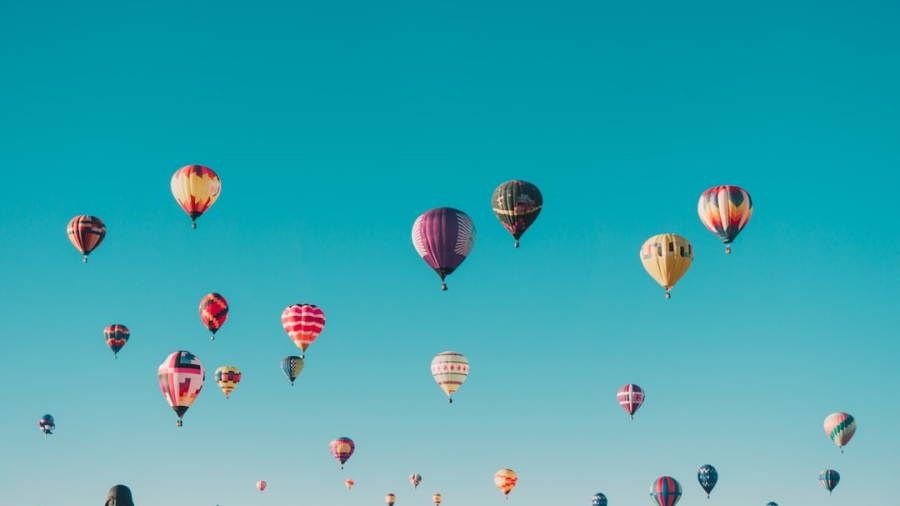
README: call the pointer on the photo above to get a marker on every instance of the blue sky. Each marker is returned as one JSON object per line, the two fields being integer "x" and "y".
{"x": 333, "y": 126}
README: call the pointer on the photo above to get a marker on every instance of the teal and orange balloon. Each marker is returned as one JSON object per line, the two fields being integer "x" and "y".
{"x": 725, "y": 211}
{"x": 86, "y": 233}
{"x": 517, "y": 205}
{"x": 116, "y": 336}
{"x": 341, "y": 449}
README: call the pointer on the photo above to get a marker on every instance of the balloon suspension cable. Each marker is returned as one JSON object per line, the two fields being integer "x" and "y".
{"x": 727, "y": 250}
{"x": 444, "y": 286}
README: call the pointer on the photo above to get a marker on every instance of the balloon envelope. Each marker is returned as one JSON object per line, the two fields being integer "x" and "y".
{"x": 725, "y": 210}
{"x": 665, "y": 491}
{"x": 599, "y": 500}
{"x": 196, "y": 188}
{"x": 86, "y": 233}
{"x": 449, "y": 370}
{"x": 291, "y": 367}
{"x": 47, "y": 424}
{"x": 341, "y": 449}
{"x": 666, "y": 257}
{"x": 261, "y": 485}
{"x": 303, "y": 324}
{"x": 227, "y": 377}
{"x": 415, "y": 479}
{"x": 348, "y": 483}
{"x": 116, "y": 336}
{"x": 181, "y": 377}
{"x": 517, "y": 204}
{"x": 213, "y": 312}
{"x": 443, "y": 237}
{"x": 829, "y": 479}
{"x": 505, "y": 480}
{"x": 390, "y": 499}
{"x": 630, "y": 398}
{"x": 436, "y": 498}
{"x": 840, "y": 427}
{"x": 707, "y": 476}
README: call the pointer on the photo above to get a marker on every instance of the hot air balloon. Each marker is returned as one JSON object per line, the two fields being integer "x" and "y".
{"x": 630, "y": 398}
{"x": 227, "y": 377}
{"x": 725, "y": 210}
{"x": 506, "y": 479}
{"x": 196, "y": 189}
{"x": 261, "y": 485}
{"x": 415, "y": 479}
{"x": 390, "y": 499}
{"x": 119, "y": 495}
{"x": 829, "y": 479}
{"x": 303, "y": 323}
{"x": 771, "y": 504}
{"x": 181, "y": 377}
{"x": 665, "y": 491}
{"x": 444, "y": 237}
{"x": 47, "y": 425}
{"x": 450, "y": 370}
{"x": 599, "y": 500}
{"x": 213, "y": 312}
{"x": 116, "y": 336}
{"x": 341, "y": 449}
{"x": 349, "y": 483}
{"x": 291, "y": 366}
{"x": 517, "y": 204}
{"x": 666, "y": 257}
{"x": 86, "y": 233}
{"x": 436, "y": 498}
{"x": 707, "y": 476}
{"x": 840, "y": 427}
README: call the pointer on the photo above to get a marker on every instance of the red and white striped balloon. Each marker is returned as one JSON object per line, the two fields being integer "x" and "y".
{"x": 630, "y": 398}
{"x": 303, "y": 323}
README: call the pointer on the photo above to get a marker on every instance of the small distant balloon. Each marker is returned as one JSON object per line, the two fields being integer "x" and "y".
{"x": 772, "y": 503}
{"x": 213, "y": 312}
{"x": 707, "y": 476}
{"x": 436, "y": 498}
{"x": 840, "y": 427}
{"x": 196, "y": 188}
{"x": 599, "y": 500}
{"x": 666, "y": 257}
{"x": 348, "y": 483}
{"x": 630, "y": 398}
{"x": 390, "y": 499}
{"x": 261, "y": 485}
{"x": 86, "y": 233}
{"x": 449, "y": 369}
{"x": 505, "y": 480}
{"x": 291, "y": 367}
{"x": 517, "y": 205}
{"x": 47, "y": 424}
{"x": 415, "y": 479}
{"x": 341, "y": 449}
{"x": 829, "y": 479}
{"x": 116, "y": 336}
{"x": 665, "y": 491}
{"x": 227, "y": 377}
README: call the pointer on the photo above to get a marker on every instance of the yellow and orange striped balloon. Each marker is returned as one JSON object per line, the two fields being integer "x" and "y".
{"x": 506, "y": 479}
{"x": 196, "y": 189}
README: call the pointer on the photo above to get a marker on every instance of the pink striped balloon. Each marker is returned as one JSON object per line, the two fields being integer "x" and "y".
{"x": 303, "y": 323}
{"x": 261, "y": 485}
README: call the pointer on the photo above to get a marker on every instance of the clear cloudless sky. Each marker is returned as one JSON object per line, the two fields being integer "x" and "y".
{"x": 333, "y": 125}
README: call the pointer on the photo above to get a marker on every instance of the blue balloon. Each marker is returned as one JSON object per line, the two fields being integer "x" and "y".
{"x": 291, "y": 366}
{"x": 707, "y": 476}
{"x": 598, "y": 500}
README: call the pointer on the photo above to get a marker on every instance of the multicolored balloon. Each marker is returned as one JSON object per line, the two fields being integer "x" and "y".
{"x": 348, "y": 483}
{"x": 196, "y": 189}
{"x": 227, "y": 377}
{"x": 449, "y": 370}
{"x": 630, "y": 398}
{"x": 47, "y": 424}
{"x": 261, "y": 485}
{"x": 666, "y": 257}
{"x": 506, "y": 479}
{"x": 436, "y": 498}
{"x": 181, "y": 377}
{"x": 303, "y": 324}
{"x": 829, "y": 479}
{"x": 444, "y": 237}
{"x": 213, "y": 312}
{"x": 599, "y": 500}
{"x": 517, "y": 204}
{"x": 86, "y": 233}
{"x": 707, "y": 476}
{"x": 725, "y": 210}
{"x": 291, "y": 366}
{"x": 341, "y": 449}
{"x": 415, "y": 479}
{"x": 840, "y": 427}
{"x": 390, "y": 499}
{"x": 116, "y": 336}
{"x": 665, "y": 491}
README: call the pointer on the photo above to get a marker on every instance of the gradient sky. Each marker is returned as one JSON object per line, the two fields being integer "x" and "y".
{"x": 333, "y": 125}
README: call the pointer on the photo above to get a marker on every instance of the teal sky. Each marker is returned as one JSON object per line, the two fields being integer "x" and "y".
{"x": 333, "y": 125}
